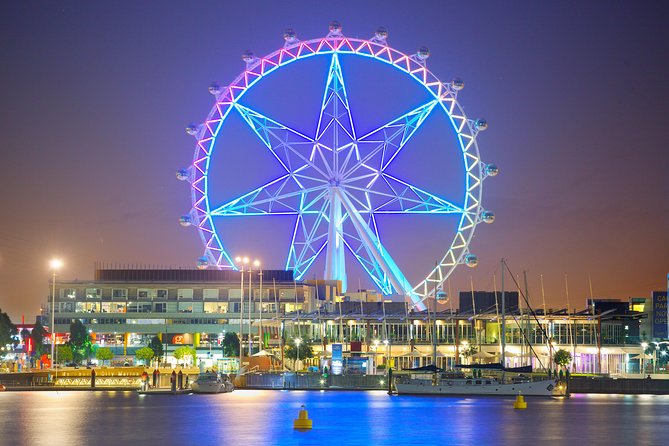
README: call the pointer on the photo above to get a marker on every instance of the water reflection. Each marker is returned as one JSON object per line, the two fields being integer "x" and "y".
{"x": 265, "y": 417}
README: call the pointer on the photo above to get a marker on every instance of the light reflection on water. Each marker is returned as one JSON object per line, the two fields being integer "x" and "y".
{"x": 365, "y": 418}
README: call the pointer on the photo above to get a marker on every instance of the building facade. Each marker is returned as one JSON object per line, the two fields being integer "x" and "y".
{"x": 124, "y": 308}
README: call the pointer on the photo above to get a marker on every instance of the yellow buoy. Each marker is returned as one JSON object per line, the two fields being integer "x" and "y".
{"x": 302, "y": 421}
{"x": 520, "y": 402}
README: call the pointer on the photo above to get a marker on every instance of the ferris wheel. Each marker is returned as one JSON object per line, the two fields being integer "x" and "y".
{"x": 336, "y": 181}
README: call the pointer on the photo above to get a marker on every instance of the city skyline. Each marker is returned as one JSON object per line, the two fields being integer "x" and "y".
{"x": 98, "y": 98}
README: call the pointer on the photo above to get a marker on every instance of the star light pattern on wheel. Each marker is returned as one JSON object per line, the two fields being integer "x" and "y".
{"x": 335, "y": 182}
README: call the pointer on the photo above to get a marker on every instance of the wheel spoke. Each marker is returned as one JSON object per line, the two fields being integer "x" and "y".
{"x": 335, "y": 130}
{"x": 309, "y": 239}
{"x": 369, "y": 238}
{"x": 283, "y": 196}
{"x": 292, "y": 149}
{"x": 391, "y": 195}
{"x": 382, "y": 145}
{"x": 364, "y": 256}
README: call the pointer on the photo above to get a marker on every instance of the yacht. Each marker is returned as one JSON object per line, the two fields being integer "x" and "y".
{"x": 502, "y": 380}
{"x": 459, "y": 384}
{"x": 211, "y": 382}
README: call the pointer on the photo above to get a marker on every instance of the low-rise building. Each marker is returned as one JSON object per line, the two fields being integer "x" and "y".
{"x": 123, "y": 308}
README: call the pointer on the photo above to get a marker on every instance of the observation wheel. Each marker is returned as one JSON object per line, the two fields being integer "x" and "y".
{"x": 336, "y": 181}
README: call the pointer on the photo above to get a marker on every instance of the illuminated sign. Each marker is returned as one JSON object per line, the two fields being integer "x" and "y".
{"x": 181, "y": 339}
{"x": 337, "y": 359}
{"x": 660, "y": 315}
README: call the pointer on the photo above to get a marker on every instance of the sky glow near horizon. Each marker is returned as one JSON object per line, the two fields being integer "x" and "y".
{"x": 96, "y": 97}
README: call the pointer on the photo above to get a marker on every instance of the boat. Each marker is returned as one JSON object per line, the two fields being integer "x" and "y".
{"x": 456, "y": 383}
{"x": 211, "y": 382}
{"x": 500, "y": 380}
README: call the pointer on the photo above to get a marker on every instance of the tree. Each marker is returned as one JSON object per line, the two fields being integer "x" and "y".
{"x": 8, "y": 331}
{"x": 104, "y": 354}
{"x": 562, "y": 357}
{"x": 144, "y": 354}
{"x": 80, "y": 341}
{"x": 183, "y": 352}
{"x": 305, "y": 350}
{"x": 64, "y": 353}
{"x": 157, "y": 346}
{"x": 469, "y": 351}
{"x": 37, "y": 335}
{"x": 231, "y": 344}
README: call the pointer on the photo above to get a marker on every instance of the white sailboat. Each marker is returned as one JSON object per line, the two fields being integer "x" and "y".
{"x": 507, "y": 381}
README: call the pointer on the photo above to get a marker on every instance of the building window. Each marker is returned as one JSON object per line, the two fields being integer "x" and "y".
{"x": 93, "y": 293}
{"x": 289, "y": 308}
{"x": 185, "y": 307}
{"x": 215, "y": 307}
{"x": 66, "y": 307}
{"x": 151, "y": 294}
{"x": 69, "y": 293}
{"x": 287, "y": 293}
{"x": 113, "y": 307}
{"x": 160, "y": 307}
{"x": 88, "y": 307}
{"x": 139, "y": 307}
{"x": 268, "y": 307}
{"x": 185, "y": 293}
{"x": 210, "y": 294}
{"x": 234, "y": 293}
{"x": 119, "y": 293}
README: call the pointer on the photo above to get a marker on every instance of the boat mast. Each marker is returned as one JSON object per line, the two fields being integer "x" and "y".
{"x": 494, "y": 281}
{"x": 503, "y": 334}
{"x": 520, "y": 324}
{"x": 527, "y": 319}
{"x": 434, "y": 320}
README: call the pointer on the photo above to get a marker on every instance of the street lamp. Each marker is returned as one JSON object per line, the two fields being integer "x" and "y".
{"x": 260, "y": 332}
{"x": 243, "y": 261}
{"x": 256, "y": 263}
{"x": 644, "y": 346}
{"x": 298, "y": 341}
{"x": 55, "y": 265}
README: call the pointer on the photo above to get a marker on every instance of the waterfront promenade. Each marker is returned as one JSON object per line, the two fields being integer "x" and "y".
{"x": 112, "y": 378}
{"x": 129, "y": 378}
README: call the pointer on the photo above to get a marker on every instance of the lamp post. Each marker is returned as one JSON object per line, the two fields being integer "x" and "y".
{"x": 260, "y": 332}
{"x": 644, "y": 346}
{"x": 256, "y": 263}
{"x": 298, "y": 341}
{"x": 243, "y": 261}
{"x": 55, "y": 265}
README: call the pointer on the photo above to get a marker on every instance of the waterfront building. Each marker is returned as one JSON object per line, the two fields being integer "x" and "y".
{"x": 123, "y": 308}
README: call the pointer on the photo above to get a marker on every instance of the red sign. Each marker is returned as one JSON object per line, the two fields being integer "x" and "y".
{"x": 178, "y": 339}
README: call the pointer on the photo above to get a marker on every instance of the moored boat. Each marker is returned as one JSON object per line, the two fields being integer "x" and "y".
{"x": 458, "y": 384}
{"x": 211, "y": 382}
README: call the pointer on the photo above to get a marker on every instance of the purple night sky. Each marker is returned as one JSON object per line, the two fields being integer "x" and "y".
{"x": 96, "y": 96}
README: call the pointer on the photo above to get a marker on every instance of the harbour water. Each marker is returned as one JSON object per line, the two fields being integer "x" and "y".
{"x": 253, "y": 417}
